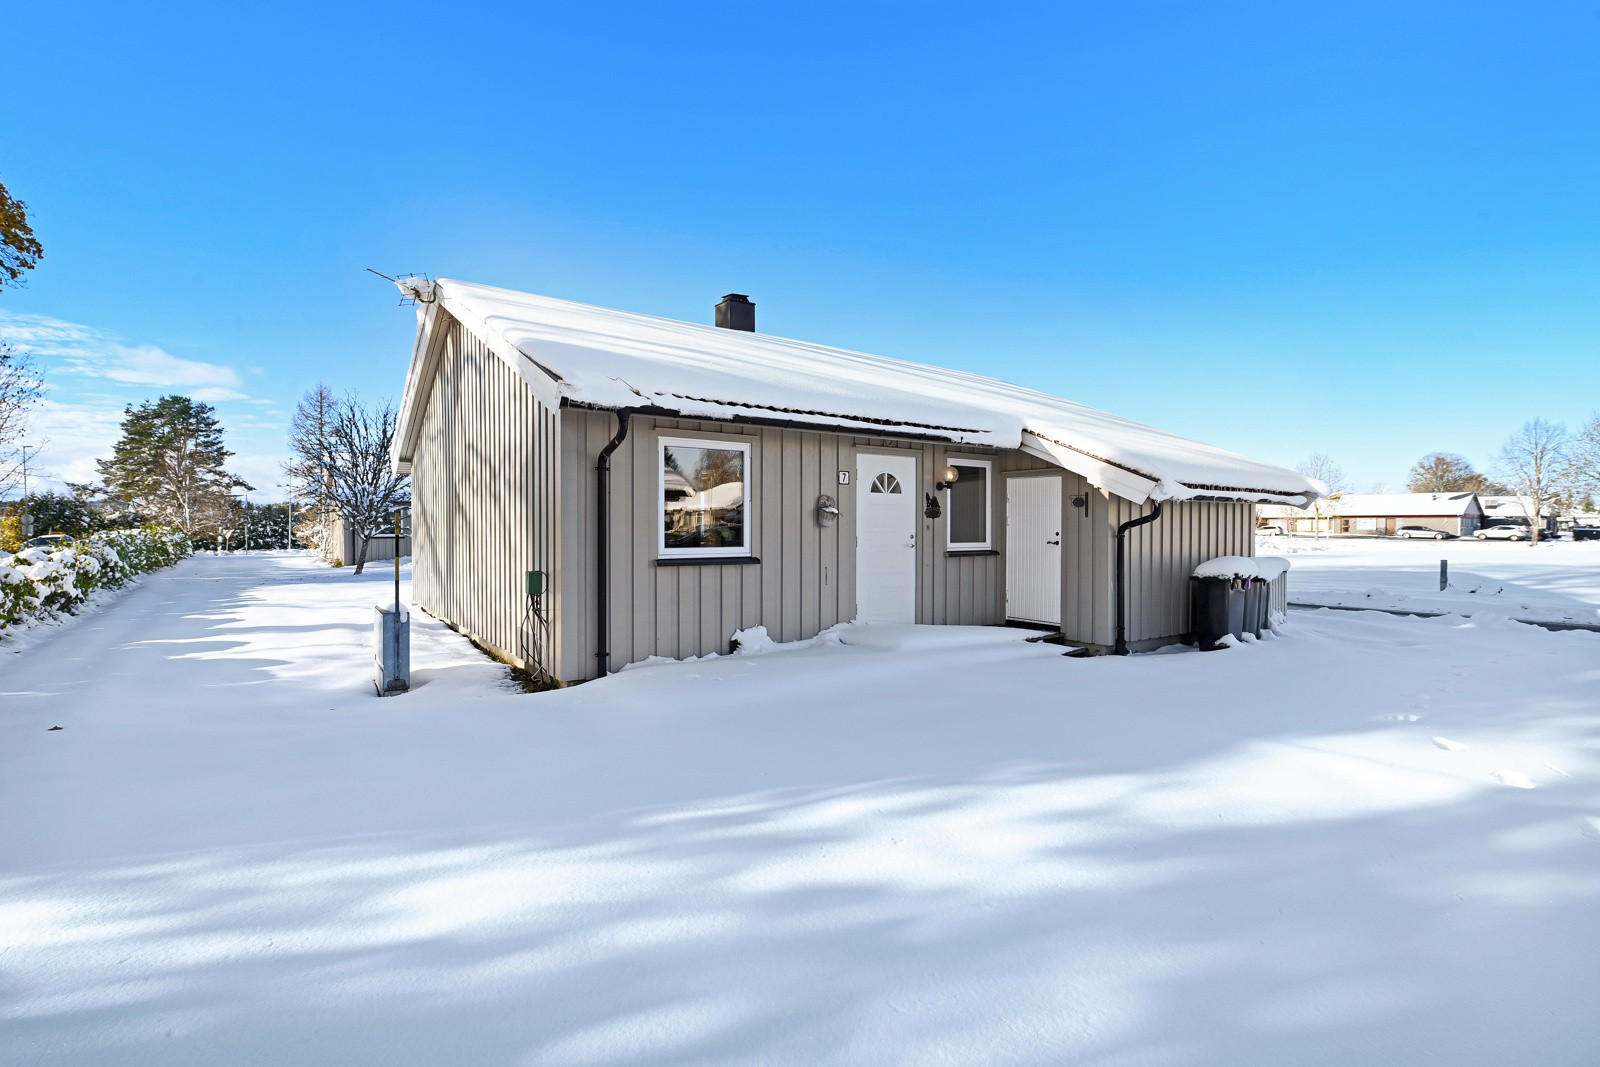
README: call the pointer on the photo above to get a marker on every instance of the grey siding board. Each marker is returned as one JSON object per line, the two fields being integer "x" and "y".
{"x": 806, "y": 580}
{"x": 504, "y": 485}
{"x": 486, "y": 493}
{"x": 1162, "y": 554}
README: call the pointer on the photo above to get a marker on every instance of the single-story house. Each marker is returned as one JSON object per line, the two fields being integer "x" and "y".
{"x": 675, "y": 483}
{"x": 1514, "y": 511}
{"x": 1379, "y": 514}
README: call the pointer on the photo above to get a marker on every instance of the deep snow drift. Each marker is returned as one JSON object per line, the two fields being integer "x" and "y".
{"x": 1369, "y": 840}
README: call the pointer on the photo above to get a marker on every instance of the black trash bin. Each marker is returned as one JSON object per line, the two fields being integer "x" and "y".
{"x": 1236, "y": 615}
{"x": 1255, "y": 607}
{"x": 1212, "y": 604}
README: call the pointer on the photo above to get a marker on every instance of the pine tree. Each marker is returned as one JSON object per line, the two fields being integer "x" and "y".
{"x": 169, "y": 464}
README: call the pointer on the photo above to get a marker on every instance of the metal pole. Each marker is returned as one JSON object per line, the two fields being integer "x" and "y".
{"x": 1444, "y": 574}
{"x": 396, "y": 563}
{"x": 27, "y": 512}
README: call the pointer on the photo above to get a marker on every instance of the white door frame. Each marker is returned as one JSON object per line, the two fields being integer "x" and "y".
{"x": 1033, "y": 564}
{"x": 886, "y": 556}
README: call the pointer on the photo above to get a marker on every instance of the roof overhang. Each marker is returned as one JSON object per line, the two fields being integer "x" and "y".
{"x": 434, "y": 319}
{"x": 1140, "y": 487}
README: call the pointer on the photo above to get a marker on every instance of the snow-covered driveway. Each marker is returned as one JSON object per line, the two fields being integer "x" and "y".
{"x": 1372, "y": 840}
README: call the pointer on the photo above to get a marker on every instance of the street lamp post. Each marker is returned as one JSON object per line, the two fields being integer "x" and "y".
{"x": 27, "y": 503}
{"x": 288, "y": 519}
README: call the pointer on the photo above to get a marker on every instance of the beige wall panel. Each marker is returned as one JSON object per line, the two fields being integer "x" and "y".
{"x": 486, "y": 491}
{"x": 1161, "y": 556}
{"x": 805, "y": 581}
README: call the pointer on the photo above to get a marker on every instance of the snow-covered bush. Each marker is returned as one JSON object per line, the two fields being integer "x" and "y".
{"x": 37, "y": 582}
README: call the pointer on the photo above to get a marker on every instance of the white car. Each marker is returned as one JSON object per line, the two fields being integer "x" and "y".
{"x": 1502, "y": 532}
{"x": 1421, "y": 531}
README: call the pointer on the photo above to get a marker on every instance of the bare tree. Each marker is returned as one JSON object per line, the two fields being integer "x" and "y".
{"x": 310, "y": 453}
{"x": 1445, "y": 472}
{"x": 1532, "y": 463}
{"x": 20, "y": 390}
{"x": 1583, "y": 461}
{"x": 1324, "y": 470}
{"x": 363, "y": 488}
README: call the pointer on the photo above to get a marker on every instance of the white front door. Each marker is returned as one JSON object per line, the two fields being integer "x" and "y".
{"x": 1033, "y": 549}
{"x": 886, "y": 538}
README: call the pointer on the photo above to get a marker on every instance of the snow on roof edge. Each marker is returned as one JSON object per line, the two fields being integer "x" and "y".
{"x": 603, "y": 358}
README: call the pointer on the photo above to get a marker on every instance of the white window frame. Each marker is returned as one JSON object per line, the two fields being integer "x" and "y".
{"x": 988, "y": 507}
{"x": 699, "y": 551}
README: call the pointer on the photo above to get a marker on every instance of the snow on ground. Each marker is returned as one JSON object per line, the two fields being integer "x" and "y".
{"x": 1369, "y": 840}
{"x": 1556, "y": 582}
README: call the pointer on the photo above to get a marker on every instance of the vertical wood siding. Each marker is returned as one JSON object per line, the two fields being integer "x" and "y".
{"x": 504, "y": 485}
{"x": 805, "y": 581}
{"x": 1162, "y": 554}
{"x": 486, "y": 488}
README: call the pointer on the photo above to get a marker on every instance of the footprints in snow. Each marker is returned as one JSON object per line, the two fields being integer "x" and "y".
{"x": 1515, "y": 779}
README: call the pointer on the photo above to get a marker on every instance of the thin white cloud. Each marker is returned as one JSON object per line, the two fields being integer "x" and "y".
{"x": 211, "y": 395}
{"x": 70, "y": 437}
{"x": 77, "y": 349}
{"x": 91, "y": 376}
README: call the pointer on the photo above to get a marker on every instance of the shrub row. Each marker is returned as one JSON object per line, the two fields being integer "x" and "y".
{"x": 38, "y": 582}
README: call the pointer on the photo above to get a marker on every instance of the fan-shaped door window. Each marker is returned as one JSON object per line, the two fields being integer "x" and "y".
{"x": 886, "y": 483}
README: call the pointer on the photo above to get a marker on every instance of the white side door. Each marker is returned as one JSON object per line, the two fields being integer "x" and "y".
{"x": 1033, "y": 549}
{"x": 886, "y": 538}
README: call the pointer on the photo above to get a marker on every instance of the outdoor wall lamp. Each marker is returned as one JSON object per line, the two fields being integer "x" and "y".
{"x": 951, "y": 476}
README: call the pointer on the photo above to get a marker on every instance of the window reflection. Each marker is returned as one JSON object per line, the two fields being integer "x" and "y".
{"x": 969, "y": 506}
{"x": 703, "y": 497}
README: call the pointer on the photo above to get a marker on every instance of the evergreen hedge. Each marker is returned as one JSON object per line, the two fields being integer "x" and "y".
{"x": 39, "y": 582}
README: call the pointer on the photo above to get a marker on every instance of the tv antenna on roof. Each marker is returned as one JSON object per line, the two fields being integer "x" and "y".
{"x": 414, "y": 288}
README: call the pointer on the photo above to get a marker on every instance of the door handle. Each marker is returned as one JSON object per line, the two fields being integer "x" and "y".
{"x": 1052, "y": 542}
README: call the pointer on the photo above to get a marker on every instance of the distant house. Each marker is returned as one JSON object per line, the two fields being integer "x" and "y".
{"x": 672, "y": 484}
{"x": 1380, "y": 514}
{"x": 1514, "y": 511}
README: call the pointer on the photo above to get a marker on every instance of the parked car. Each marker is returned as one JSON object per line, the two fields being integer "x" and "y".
{"x": 1422, "y": 531}
{"x": 1502, "y": 532}
{"x": 49, "y": 541}
{"x": 1271, "y": 529}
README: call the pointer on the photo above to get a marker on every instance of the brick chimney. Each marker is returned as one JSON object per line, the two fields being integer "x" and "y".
{"x": 736, "y": 312}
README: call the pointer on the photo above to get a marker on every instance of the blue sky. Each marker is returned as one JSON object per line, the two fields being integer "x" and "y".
{"x": 1364, "y": 230}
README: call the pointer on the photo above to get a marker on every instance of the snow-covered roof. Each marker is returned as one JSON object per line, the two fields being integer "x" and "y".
{"x": 616, "y": 359}
{"x": 1519, "y": 506}
{"x": 1401, "y": 504}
